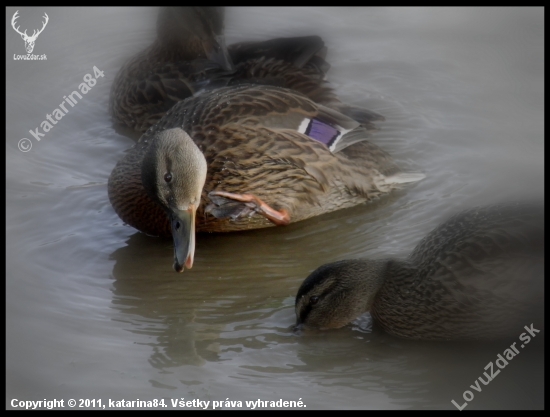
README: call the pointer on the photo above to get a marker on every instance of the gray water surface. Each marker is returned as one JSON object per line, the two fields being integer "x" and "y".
{"x": 93, "y": 307}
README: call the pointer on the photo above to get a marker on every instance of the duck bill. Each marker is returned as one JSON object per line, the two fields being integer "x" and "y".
{"x": 217, "y": 51}
{"x": 183, "y": 232}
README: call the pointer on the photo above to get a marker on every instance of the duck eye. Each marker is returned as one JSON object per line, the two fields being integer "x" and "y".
{"x": 313, "y": 300}
{"x": 168, "y": 177}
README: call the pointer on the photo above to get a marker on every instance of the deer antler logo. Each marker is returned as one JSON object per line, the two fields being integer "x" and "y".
{"x": 29, "y": 40}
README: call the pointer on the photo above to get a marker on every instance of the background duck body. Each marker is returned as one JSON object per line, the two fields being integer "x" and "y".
{"x": 254, "y": 142}
{"x": 177, "y": 66}
{"x": 477, "y": 276}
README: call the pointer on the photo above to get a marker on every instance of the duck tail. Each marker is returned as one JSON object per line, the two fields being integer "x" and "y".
{"x": 386, "y": 184}
{"x": 404, "y": 178}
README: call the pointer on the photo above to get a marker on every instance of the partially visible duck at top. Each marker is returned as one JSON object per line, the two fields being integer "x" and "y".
{"x": 246, "y": 157}
{"x": 479, "y": 275}
{"x": 190, "y": 55}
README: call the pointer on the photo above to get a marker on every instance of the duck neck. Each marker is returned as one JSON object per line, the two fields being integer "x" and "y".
{"x": 173, "y": 50}
{"x": 371, "y": 279}
{"x": 362, "y": 280}
{"x": 396, "y": 279}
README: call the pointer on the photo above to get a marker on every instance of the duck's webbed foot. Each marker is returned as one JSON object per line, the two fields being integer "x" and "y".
{"x": 231, "y": 205}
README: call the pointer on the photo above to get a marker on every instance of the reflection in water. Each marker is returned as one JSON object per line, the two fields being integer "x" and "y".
{"x": 190, "y": 326}
{"x": 93, "y": 308}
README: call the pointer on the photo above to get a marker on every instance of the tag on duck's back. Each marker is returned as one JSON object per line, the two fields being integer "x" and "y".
{"x": 333, "y": 129}
{"x": 322, "y": 132}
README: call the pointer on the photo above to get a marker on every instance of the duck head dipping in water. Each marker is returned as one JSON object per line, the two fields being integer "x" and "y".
{"x": 479, "y": 275}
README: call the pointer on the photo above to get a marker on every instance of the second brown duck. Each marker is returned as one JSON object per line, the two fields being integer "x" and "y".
{"x": 190, "y": 55}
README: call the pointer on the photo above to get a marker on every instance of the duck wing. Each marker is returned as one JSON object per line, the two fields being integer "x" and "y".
{"x": 304, "y": 51}
{"x": 143, "y": 92}
{"x": 486, "y": 267}
{"x": 285, "y": 112}
{"x": 484, "y": 232}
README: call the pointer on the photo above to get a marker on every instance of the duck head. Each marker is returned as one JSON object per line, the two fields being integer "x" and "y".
{"x": 173, "y": 173}
{"x": 199, "y": 29}
{"x": 337, "y": 293}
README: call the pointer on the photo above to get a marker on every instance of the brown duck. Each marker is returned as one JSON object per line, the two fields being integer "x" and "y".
{"x": 189, "y": 55}
{"x": 479, "y": 275}
{"x": 246, "y": 157}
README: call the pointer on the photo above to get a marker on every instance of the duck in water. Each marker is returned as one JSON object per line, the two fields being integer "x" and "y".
{"x": 190, "y": 55}
{"x": 247, "y": 157}
{"x": 479, "y": 275}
